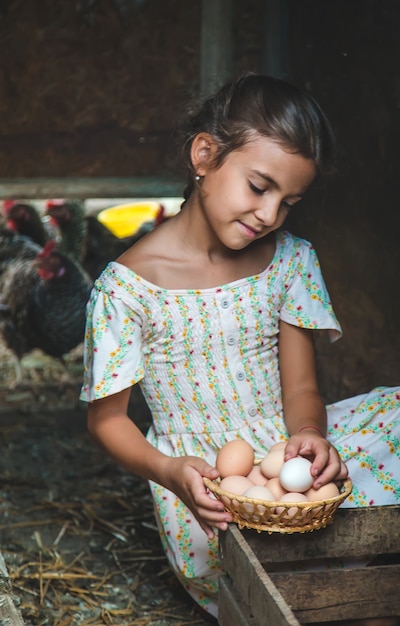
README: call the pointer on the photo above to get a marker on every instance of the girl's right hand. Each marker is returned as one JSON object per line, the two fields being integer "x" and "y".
{"x": 184, "y": 477}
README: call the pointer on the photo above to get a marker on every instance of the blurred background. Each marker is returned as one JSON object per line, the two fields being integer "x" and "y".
{"x": 89, "y": 94}
{"x": 90, "y": 91}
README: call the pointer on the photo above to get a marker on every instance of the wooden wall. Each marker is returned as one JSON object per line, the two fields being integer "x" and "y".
{"x": 92, "y": 88}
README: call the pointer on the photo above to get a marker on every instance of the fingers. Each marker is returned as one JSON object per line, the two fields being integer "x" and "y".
{"x": 209, "y": 472}
{"x": 214, "y": 518}
{"x": 292, "y": 449}
{"x": 208, "y": 510}
{"x": 328, "y": 469}
{"x": 326, "y": 464}
{"x": 210, "y": 531}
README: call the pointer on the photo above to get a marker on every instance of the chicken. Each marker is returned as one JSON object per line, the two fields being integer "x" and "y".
{"x": 24, "y": 219}
{"x": 103, "y": 246}
{"x": 43, "y": 298}
{"x": 69, "y": 217}
{"x": 97, "y": 244}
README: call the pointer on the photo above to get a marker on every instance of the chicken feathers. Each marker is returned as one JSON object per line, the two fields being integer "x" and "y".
{"x": 43, "y": 296}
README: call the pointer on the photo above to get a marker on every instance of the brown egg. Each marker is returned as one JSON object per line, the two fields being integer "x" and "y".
{"x": 281, "y": 445}
{"x": 330, "y": 490}
{"x": 274, "y": 484}
{"x": 257, "y": 492}
{"x": 291, "y": 497}
{"x": 271, "y": 464}
{"x": 236, "y": 457}
{"x": 256, "y": 476}
{"x": 236, "y": 485}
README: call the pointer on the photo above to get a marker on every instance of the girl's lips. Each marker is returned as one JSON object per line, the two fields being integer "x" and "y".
{"x": 250, "y": 232}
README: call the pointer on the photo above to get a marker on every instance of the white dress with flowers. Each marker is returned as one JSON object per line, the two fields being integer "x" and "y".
{"x": 207, "y": 363}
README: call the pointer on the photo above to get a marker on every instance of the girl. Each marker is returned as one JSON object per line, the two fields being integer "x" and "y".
{"x": 213, "y": 314}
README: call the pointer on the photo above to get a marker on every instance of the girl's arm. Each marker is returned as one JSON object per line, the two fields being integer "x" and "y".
{"x": 111, "y": 427}
{"x": 303, "y": 408}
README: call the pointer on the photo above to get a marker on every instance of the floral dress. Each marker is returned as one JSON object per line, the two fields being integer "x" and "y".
{"x": 207, "y": 363}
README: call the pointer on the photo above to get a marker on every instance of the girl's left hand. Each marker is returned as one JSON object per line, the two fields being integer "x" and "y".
{"x": 184, "y": 476}
{"x": 327, "y": 466}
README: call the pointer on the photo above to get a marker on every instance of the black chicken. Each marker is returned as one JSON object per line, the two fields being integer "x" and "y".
{"x": 69, "y": 218}
{"x": 43, "y": 298}
{"x": 24, "y": 219}
{"x": 84, "y": 237}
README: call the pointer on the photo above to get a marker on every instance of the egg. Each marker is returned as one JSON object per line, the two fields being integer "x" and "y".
{"x": 281, "y": 445}
{"x": 330, "y": 490}
{"x": 271, "y": 464}
{"x": 235, "y": 485}
{"x": 259, "y": 492}
{"x": 274, "y": 485}
{"x": 295, "y": 474}
{"x": 256, "y": 476}
{"x": 236, "y": 457}
{"x": 290, "y": 497}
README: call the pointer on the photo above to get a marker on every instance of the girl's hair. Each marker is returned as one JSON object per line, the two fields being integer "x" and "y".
{"x": 268, "y": 106}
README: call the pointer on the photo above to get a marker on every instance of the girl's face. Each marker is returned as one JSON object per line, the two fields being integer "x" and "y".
{"x": 252, "y": 192}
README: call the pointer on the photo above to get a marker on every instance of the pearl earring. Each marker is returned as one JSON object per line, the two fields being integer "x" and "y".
{"x": 197, "y": 177}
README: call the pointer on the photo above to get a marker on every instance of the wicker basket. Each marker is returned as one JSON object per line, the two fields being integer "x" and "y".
{"x": 291, "y": 517}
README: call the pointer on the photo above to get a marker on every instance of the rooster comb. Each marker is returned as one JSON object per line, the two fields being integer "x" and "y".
{"x": 48, "y": 249}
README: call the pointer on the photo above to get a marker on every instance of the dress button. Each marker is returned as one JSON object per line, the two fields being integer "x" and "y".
{"x": 252, "y": 411}
{"x": 231, "y": 340}
{"x": 240, "y": 375}
{"x": 225, "y": 303}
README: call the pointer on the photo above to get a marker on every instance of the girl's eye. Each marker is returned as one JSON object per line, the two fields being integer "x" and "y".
{"x": 291, "y": 204}
{"x": 256, "y": 190}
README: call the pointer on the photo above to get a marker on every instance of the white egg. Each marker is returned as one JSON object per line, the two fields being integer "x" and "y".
{"x": 295, "y": 474}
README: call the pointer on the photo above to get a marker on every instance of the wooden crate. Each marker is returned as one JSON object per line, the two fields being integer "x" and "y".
{"x": 271, "y": 580}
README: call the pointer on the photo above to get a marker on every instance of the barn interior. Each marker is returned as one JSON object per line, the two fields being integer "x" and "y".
{"x": 89, "y": 95}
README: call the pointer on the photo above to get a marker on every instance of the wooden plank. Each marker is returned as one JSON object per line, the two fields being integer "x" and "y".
{"x": 354, "y": 533}
{"x": 289, "y": 571}
{"x": 231, "y": 609}
{"x": 216, "y": 60}
{"x": 340, "y": 594}
{"x": 252, "y": 582}
{"x": 140, "y": 187}
{"x": 275, "y": 41}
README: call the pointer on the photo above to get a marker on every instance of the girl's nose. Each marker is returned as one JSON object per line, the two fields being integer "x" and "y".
{"x": 268, "y": 211}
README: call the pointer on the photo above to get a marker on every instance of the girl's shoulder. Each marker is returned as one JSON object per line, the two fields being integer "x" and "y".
{"x": 148, "y": 256}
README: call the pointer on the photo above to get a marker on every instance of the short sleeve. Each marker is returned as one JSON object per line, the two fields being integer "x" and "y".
{"x": 306, "y": 302}
{"x": 112, "y": 346}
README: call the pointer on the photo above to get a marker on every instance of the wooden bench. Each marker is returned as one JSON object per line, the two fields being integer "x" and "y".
{"x": 269, "y": 580}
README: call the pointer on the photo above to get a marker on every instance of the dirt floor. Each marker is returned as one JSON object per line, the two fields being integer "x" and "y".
{"x": 77, "y": 533}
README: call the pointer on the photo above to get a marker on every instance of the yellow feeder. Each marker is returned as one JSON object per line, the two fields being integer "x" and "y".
{"x": 124, "y": 220}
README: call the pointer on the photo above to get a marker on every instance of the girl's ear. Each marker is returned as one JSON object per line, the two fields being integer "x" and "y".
{"x": 202, "y": 153}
